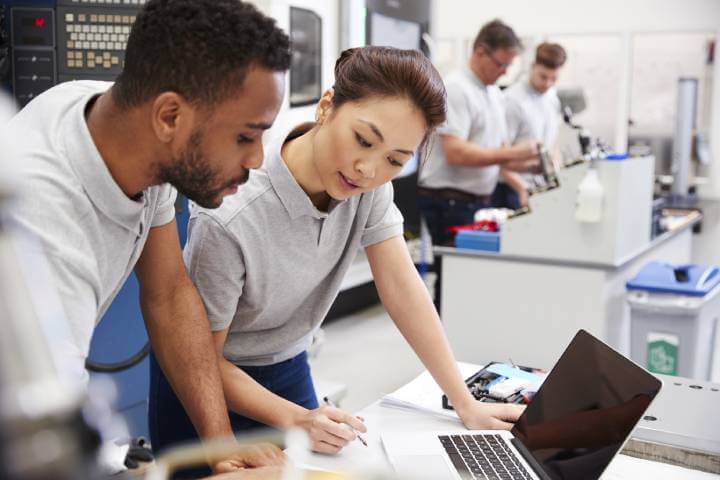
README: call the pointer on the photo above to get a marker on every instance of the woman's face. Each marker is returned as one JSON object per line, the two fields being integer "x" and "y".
{"x": 362, "y": 145}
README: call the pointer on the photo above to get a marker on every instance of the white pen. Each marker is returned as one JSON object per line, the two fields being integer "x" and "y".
{"x": 362, "y": 440}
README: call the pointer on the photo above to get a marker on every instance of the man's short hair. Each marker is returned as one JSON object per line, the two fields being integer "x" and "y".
{"x": 495, "y": 35}
{"x": 200, "y": 49}
{"x": 550, "y": 55}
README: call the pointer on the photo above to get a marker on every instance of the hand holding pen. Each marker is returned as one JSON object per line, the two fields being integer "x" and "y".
{"x": 327, "y": 401}
{"x": 330, "y": 429}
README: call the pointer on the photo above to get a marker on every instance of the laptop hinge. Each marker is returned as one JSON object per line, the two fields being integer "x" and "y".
{"x": 529, "y": 459}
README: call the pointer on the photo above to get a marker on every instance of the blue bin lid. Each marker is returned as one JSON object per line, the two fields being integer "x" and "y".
{"x": 691, "y": 280}
{"x": 616, "y": 156}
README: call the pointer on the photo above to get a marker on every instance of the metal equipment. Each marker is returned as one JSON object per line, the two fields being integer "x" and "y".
{"x": 45, "y": 427}
{"x": 681, "y": 427}
{"x": 54, "y": 41}
{"x": 684, "y": 128}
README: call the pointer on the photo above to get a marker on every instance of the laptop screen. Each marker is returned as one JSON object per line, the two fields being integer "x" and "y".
{"x": 585, "y": 409}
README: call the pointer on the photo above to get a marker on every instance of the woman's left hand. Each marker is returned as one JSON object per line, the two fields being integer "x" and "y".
{"x": 490, "y": 416}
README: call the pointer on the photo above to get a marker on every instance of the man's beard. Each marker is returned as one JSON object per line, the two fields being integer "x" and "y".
{"x": 193, "y": 177}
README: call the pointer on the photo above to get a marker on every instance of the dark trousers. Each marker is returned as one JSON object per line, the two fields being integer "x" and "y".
{"x": 170, "y": 425}
{"x": 440, "y": 214}
{"x": 505, "y": 197}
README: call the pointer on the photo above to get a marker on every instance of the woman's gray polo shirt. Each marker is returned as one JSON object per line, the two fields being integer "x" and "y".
{"x": 268, "y": 264}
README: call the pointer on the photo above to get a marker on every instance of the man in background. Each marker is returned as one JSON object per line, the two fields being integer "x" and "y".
{"x": 461, "y": 172}
{"x": 532, "y": 110}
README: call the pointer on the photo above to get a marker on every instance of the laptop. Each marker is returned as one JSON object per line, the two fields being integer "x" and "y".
{"x": 577, "y": 422}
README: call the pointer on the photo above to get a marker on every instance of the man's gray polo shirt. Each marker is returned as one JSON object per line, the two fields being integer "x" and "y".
{"x": 475, "y": 113}
{"x": 268, "y": 264}
{"x": 91, "y": 232}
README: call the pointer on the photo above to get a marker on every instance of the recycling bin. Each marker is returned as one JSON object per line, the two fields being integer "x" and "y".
{"x": 674, "y": 313}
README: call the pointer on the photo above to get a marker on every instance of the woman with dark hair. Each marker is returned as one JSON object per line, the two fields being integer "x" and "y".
{"x": 269, "y": 262}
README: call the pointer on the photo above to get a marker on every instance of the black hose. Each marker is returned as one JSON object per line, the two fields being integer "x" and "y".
{"x": 121, "y": 365}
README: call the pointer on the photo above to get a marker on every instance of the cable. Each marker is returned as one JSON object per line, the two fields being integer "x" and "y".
{"x": 4, "y": 47}
{"x": 121, "y": 365}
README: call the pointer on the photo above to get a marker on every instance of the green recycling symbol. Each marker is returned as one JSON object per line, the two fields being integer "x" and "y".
{"x": 662, "y": 353}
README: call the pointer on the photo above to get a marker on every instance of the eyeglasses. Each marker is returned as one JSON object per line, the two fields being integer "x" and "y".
{"x": 500, "y": 65}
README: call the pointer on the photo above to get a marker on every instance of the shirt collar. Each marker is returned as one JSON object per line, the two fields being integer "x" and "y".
{"x": 293, "y": 197}
{"x": 531, "y": 90}
{"x": 89, "y": 166}
{"x": 474, "y": 78}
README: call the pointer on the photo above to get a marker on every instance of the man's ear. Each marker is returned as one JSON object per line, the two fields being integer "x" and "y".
{"x": 171, "y": 115}
{"x": 324, "y": 106}
{"x": 480, "y": 51}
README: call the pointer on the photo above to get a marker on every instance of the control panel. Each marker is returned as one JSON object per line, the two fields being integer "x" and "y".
{"x": 56, "y": 41}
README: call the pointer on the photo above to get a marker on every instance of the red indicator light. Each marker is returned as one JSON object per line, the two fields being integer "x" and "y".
{"x": 39, "y": 22}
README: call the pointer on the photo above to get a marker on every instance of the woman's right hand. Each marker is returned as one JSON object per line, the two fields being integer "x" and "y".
{"x": 329, "y": 428}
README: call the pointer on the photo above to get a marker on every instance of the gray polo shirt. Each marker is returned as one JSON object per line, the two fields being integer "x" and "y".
{"x": 91, "y": 232}
{"x": 475, "y": 113}
{"x": 531, "y": 115}
{"x": 268, "y": 264}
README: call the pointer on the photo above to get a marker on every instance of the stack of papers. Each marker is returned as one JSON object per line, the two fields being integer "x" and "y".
{"x": 424, "y": 395}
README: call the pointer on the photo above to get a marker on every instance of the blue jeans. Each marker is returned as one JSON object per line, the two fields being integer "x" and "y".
{"x": 505, "y": 197}
{"x": 170, "y": 425}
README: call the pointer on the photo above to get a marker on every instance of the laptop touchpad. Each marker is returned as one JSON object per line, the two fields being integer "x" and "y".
{"x": 423, "y": 466}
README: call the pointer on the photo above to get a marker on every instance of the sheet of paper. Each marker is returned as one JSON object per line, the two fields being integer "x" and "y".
{"x": 424, "y": 394}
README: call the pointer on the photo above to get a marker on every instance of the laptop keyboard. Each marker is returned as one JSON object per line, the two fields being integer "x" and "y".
{"x": 483, "y": 456}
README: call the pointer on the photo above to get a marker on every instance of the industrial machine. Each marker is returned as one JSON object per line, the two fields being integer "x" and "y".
{"x": 552, "y": 230}
{"x": 45, "y": 42}
{"x": 597, "y": 207}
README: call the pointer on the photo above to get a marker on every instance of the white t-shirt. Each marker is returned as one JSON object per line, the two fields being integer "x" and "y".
{"x": 531, "y": 115}
{"x": 475, "y": 113}
{"x": 92, "y": 234}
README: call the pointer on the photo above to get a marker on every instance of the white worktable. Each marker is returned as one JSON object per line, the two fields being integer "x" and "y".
{"x": 378, "y": 418}
{"x": 496, "y": 306}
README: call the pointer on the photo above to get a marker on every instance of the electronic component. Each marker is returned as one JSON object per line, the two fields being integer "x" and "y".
{"x": 496, "y": 384}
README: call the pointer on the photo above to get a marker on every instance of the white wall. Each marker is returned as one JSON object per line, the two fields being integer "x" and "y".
{"x": 532, "y": 17}
{"x": 456, "y": 21}
{"x": 330, "y": 13}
